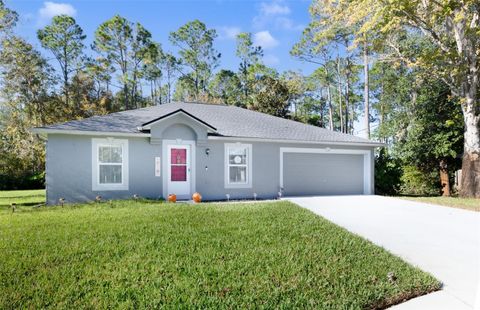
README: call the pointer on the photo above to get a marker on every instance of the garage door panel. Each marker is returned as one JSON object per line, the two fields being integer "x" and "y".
{"x": 322, "y": 174}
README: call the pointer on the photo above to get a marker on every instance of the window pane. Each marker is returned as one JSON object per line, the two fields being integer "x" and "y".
{"x": 237, "y": 156}
{"x": 110, "y": 174}
{"x": 238, "y": 174}
{"x": 110, "y": 154}
{"x": 178, "y": 173}
{"x": 178, "y": 156}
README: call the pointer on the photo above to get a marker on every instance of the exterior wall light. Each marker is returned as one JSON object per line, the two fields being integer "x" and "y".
{"x": 207, "y": 151}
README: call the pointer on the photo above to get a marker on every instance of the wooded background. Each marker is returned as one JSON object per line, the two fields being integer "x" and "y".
{"x": 407, "y": 69}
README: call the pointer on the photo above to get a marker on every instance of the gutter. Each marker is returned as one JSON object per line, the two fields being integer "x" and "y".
{"x": 47, "y": 131}
{"x": 370, "y": 143}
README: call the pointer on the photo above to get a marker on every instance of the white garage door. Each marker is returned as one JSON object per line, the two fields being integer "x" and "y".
{"x": 319, "y": 173}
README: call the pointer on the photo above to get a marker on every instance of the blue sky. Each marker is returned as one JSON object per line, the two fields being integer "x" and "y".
{"x": 275, "y": 24}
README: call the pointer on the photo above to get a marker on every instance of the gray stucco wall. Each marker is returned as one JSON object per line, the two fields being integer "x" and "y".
{"x": 178, "y": 126}
{"x": 69, "y": 167}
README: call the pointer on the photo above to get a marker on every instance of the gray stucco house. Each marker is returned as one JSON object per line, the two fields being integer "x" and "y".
{"x": 216, "y": 150}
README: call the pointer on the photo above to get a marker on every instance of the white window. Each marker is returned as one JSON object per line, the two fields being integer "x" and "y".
{"x": 109, "y": 164}
{"x": 238, "y": 165}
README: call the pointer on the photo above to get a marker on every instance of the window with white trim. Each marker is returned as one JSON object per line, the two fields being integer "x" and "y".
{"x": 238, "y": 165}
{"x": 109, "y": 164}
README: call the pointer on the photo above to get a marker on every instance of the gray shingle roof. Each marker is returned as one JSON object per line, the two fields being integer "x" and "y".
{"x": 229, "y": 121}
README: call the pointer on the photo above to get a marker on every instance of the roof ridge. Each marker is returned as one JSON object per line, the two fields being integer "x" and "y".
{"x": 198, "y": 103}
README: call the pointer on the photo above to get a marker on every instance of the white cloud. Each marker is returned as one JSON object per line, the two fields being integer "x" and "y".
{"x": 287, "y": 24}
{"x": 51, "y": 9}
{"x": 270, "y": 60}
{"x": 274, "y": 8}
{"x": 228, "y": 32}
{"x": 275, "y": 13}
{"x": 264, "y": 39}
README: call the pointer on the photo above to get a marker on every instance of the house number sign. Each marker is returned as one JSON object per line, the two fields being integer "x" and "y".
{"x": 157, "y": 166}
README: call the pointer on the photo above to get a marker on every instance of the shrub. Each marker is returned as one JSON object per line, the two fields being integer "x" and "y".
{"x": 25, "y": 181}
{"x": 388, "y": 172}
{"x": 416, "y": 182}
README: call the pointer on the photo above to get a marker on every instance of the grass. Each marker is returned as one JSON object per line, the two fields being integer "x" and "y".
{"x": 454, "y": 202}
{"x": 132, "y": 254}
{"x": 21, "y": 198}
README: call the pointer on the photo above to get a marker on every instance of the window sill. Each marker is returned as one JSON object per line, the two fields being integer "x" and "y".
{"x": 120, "y": 187}
{"x": 238, "y": 185}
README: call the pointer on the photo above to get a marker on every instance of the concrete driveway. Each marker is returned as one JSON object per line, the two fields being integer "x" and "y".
{"x": 440, "y": 240}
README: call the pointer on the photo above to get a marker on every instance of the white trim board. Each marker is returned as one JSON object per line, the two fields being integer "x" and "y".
{"x": 246, "y": 139}
{"x": 164, "y": 173}
{"x": 367, "y": 167}
{"x": 88, "y": 133}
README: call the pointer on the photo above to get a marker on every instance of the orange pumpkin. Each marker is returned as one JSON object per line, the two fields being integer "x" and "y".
{"x": 197, "y": 197}
{"x": 172, "y": 198}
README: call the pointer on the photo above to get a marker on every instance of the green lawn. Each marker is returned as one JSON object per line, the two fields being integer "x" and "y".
{"x": 454, "y": 202}
{"x": 148, "y": 254}
{"x": 21, "y": 198}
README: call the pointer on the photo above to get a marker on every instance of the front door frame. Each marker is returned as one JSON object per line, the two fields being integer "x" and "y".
{"x": 166, "y": 165}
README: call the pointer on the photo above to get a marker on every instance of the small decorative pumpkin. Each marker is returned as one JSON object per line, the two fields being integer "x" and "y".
{"x": 172, "y": 198}
{"x": 197, "y": 197}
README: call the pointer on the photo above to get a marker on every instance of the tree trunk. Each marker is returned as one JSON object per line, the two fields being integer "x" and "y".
{"x": 347, "y": 104}
{"x": 158, "y": 89}
{"x": 65, "y": 76}
{"x": 471, "y": 154}
{"x": 339, "y": 86}
{"x": 151, "y": 92}
{"x": 330, "y": 108}
{"x": 366, "y": 89}
{"x": 322, "y": 110}
{"x": 444, "y": 179}
{"x": 125, "y": 94}
{"x": 340, "y": 106}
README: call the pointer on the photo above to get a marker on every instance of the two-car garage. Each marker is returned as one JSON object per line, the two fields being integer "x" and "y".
{"x": 325, "y": 171}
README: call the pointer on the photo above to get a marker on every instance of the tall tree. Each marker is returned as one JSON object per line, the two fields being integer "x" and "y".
{"x": 25, "y": 102}
{"x": 366, "y": 91}
{"x": 324, "y": 76}
{"x": 326, "y": 33}
{"x": 125, "y": 45}
{"x": 452, "y": 28}
{"x": 64, "y": 38}
{"x": 8, "y": 19}
{"x": 170, "y": 67}
{"x": 226, "y": 88}
{"x": 270, "y": 96}
{"x": 313, "y": 47}
{"x": 249, "y": 55}
{"x": 153, "y": 73}
{"x": 296, "y": 85}
{"x": 195, "y": 43}
{"x": 100, "y": 71}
